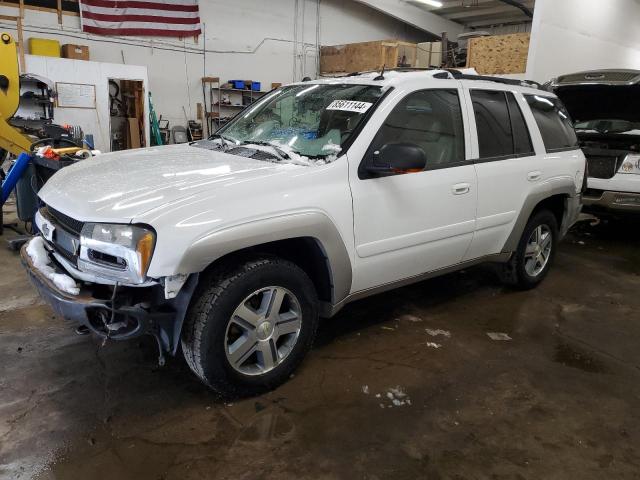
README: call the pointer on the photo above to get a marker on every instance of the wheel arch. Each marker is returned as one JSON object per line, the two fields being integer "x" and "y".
{"x": 563, "y": 202}
{"x": 556, "y": 204}
{"x": 308, "y": 239}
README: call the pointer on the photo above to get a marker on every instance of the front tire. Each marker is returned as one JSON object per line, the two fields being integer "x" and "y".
{"x": 248, "y": 329}
{"x": 536, "y": 251}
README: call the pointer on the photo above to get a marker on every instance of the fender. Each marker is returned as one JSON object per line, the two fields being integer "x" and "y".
{"x": 209, "y": 248}
{"x": 544, "y": 191}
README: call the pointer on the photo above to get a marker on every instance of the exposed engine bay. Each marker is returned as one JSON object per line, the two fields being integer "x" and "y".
{"x": 605, "y": 152}
{"x": 606, "y": 116}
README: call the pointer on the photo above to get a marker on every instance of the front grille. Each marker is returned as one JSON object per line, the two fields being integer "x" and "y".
{"x": 66, "y": 236}
{"x": 599, "y": 76}
{"x": 71, "y": 258}
{"x": 71, "y": 224}
{"x": 602, "y": 166}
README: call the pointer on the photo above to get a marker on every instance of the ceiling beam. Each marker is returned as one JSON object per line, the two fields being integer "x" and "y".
{"x": 481, "y": 12}
{"x": 416, "y": 16}
{"x": 498, "y": 21}
{"x": 457, "y": 5}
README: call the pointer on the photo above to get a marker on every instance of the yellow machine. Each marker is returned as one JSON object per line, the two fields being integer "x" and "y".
{"x": 11, "y": 139}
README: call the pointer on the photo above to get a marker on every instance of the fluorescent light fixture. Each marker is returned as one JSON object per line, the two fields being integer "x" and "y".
{"x": 433, "y": 3}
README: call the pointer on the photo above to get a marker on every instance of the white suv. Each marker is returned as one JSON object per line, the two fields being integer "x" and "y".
{"x": 321, "y": 193}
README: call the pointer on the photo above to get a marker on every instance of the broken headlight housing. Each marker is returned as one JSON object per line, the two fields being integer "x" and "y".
{"x": 631, "y": 164}
{"x": 121, "y": 253}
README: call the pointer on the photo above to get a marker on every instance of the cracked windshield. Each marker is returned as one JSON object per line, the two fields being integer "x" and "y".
{"x": 301, "y": 124}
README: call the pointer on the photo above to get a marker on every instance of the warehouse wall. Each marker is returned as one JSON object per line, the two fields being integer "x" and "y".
{"x": 574, "y": 35}
{"x": 243, "y": 39}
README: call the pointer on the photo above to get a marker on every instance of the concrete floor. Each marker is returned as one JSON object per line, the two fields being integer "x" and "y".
{"x": 558, "y": 400}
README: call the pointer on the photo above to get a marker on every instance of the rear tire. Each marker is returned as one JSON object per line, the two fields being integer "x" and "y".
{"x": 536, "y": 251}
{"x": 248, "y": 329}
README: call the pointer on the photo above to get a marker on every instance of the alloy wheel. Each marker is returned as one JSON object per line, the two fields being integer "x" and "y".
{"x": 263, "y": 330}
{"x": 538, "y": 250}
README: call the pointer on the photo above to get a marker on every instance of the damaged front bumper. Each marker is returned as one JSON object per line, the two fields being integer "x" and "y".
{"x": 117, "y": 312}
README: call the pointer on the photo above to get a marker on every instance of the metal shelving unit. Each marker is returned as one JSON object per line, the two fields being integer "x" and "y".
{"x": 219, "y": 113}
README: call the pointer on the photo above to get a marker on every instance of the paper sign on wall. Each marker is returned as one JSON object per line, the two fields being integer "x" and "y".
{"x": 76, "y": 95}
{"x": 349, "y": 106}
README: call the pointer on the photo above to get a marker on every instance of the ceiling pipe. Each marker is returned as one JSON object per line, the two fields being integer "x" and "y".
{"x": 515, "y": 3}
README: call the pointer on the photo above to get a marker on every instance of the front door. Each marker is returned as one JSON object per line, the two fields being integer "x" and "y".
{"x": 410, "y": 223}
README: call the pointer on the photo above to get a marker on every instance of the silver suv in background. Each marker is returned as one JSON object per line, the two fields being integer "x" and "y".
{"x": 605, "y": 106}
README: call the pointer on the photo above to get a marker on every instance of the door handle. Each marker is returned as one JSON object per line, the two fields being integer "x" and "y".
{"x": 460, "y": 188}
{"x": 534, "y": 176}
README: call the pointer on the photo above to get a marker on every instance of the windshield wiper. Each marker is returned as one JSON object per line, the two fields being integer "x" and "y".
{"x": 224, "y": 140}
{"x": 278, "y": 150}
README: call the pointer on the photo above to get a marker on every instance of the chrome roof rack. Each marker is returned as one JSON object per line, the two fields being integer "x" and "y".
{"x": 508, "y": 81}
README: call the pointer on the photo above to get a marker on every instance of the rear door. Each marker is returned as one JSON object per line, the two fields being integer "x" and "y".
{"x": 561, "y": 159}
{"x": 506, "y": 164}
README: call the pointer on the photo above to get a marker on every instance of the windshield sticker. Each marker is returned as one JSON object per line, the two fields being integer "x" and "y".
{"x": 350, "y": 106}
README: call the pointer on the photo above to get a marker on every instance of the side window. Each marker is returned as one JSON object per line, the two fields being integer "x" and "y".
{"x": 492, "y": 122}
{"x": 431, "y": 119}
{"x": 521, "y": 139}
{"x": 554, "y": 123}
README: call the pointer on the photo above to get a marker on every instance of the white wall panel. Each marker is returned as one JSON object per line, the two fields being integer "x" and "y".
{"x": 574, "y": 35}
{"x": 94, "y": 121}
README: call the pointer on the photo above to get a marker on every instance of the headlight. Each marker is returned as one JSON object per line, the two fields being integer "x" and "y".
{"x": 120, "y": 253}
{"x": 631, "y": 164}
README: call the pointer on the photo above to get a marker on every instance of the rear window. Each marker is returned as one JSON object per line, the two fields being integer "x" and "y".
{"x": 502, "y": 130}
{"x": 554, "y": 123}
{"x": 521, "y": 139}
{"x": 492, "y": 121}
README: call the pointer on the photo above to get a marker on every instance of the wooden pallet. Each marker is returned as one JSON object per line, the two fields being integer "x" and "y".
{"x": 499, "y": 54}
{"x": 366, "y": 56}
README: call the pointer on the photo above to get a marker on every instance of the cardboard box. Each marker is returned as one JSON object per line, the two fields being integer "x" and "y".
{"x": 77, "y": 52}
{"x": 429, "y": 55}
{"x": 44, "y": 47}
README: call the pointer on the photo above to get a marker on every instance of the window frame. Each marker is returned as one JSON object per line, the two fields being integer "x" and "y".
{"x": 512, "y": 155}
{"x": 67, "y": 7}
{"x": 526, "y": 125}
{"x": 367, "y": 158}
{"x": 544, "y": 145}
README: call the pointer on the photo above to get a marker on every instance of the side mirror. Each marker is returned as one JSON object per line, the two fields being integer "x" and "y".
{"x": 396, "y": 158}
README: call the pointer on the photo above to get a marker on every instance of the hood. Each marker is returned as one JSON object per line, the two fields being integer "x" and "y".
{"x": 121, "y": 186}
{"x": 596, "y": 102}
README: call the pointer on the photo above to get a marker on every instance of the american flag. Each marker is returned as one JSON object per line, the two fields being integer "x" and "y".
{"x": 162, "y": 18}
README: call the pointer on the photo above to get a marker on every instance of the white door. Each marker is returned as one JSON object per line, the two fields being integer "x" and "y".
{"x": 506, "y": 164}
{"x": 407, "y": 224}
